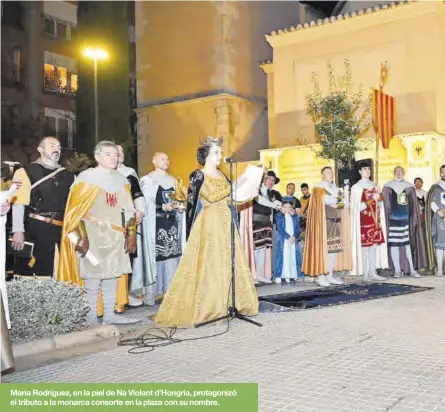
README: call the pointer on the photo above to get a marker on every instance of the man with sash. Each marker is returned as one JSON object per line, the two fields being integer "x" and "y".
{"x": 38, "y": 209}
{"x": 435, "y": 223}
{"x": 99, "y": 226}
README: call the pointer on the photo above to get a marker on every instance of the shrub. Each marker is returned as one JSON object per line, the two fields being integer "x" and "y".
{"x": 79, "y": 162}
{"x": 42, "y": 307}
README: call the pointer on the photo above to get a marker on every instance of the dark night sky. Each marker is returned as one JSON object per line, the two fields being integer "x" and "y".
{"x": 325, "y": 6}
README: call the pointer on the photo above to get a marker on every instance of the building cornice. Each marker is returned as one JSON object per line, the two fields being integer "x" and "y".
{"x": 196, "y": 98}
{"x": 354, "y": 20}
{"x": 315, "y": 145}
{"x": 429, "y": 133}
{"x": 267, "y": 66}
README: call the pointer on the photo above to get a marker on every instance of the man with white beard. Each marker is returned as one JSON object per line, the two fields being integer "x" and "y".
{"x": 368, "y": 226}
{"x": 163, "y": 233}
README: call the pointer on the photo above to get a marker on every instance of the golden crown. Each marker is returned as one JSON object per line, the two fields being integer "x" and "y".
{"x": 211, "y": 141}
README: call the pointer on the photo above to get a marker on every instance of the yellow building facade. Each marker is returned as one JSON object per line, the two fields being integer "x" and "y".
{"x": 198, "y": 75}
{"x": 410, "y": 37}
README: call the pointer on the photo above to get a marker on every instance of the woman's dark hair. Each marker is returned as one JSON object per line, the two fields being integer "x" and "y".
{"x": 201, "y": 154}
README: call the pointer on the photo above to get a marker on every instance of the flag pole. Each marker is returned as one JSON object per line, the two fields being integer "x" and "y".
{"x": 376, "y": 159}
{"x": 383, "y": 79}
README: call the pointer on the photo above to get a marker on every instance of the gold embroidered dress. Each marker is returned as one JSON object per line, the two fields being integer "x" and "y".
{"x": 201, "y": 288}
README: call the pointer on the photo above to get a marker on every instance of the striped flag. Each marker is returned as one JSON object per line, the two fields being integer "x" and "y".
{"x": 383, "y": 115}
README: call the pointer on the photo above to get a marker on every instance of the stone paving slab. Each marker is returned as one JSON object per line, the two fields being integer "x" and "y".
{"x": 381, "y": 355}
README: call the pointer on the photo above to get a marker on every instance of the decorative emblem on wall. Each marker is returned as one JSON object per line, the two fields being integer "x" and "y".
{"x": 418, "y": 149}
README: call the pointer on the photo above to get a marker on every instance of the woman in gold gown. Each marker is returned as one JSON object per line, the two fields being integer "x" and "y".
{"x": 201, "y": 288}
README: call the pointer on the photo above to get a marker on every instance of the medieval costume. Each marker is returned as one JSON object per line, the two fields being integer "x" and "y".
{"x": 275, "y": 195}
{"x": 6, "y": 356}
{"x": 287, "y": 264}
{"x": 368, "y": 226}
{"x": 324, "y": 233}
{"x": 405, "y": 237}
{"x": 435, "y": 226}
{"x": 38, "y": 210}
{"x": 162, "y": 241}
{"x": 304, "y": 201}
{"x": 99, "y": 209}
{"x": 139, "y": 204}
{"x": 200, "y": 289}
{"x": 256, "y": 226}
{"x": 133, "y": 180}
{"x": 421, "y": 198}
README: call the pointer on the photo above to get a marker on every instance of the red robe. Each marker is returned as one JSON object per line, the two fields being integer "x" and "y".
{"x": 370, "y": 230}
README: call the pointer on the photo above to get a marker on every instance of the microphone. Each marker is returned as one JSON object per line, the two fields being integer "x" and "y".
{"x": 229, "y": 159}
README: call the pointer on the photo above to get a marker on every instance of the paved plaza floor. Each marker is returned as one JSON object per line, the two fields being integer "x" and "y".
{"x": 381, "y": 355}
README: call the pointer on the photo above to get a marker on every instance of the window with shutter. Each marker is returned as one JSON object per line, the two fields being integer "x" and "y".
{"x": 62, "y": 30}
{"x": 49, "y": 26}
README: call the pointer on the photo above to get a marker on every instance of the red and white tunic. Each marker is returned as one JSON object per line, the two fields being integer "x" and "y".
{"x": 370, "y": 229}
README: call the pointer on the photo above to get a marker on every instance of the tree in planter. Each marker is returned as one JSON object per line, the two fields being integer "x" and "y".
{"x": 340, "y": 117}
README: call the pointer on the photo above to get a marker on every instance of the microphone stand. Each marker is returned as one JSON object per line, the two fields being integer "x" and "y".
{"x": 232, "y": 311}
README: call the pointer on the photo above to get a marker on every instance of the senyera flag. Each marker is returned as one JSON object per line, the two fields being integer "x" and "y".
{"x": 383, "y": 115}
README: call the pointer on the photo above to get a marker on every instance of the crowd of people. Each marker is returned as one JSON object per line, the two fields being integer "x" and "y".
{"x": 131, "y": 241}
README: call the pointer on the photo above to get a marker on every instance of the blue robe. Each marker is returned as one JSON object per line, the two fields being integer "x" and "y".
{"x": 282, "y": 236}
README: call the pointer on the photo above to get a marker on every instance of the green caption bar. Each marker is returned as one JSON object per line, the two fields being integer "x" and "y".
{"x": 129, "y": 396}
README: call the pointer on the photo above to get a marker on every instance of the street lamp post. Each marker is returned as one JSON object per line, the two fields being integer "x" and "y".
{"x": 95, "y": 55}
{"x": 96, "y": 104}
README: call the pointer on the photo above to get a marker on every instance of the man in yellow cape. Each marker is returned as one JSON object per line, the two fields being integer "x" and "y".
{"x": 99, "y": 224}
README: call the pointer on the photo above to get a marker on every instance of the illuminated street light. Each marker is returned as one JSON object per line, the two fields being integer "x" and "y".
{"x": 95, "y": 55}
